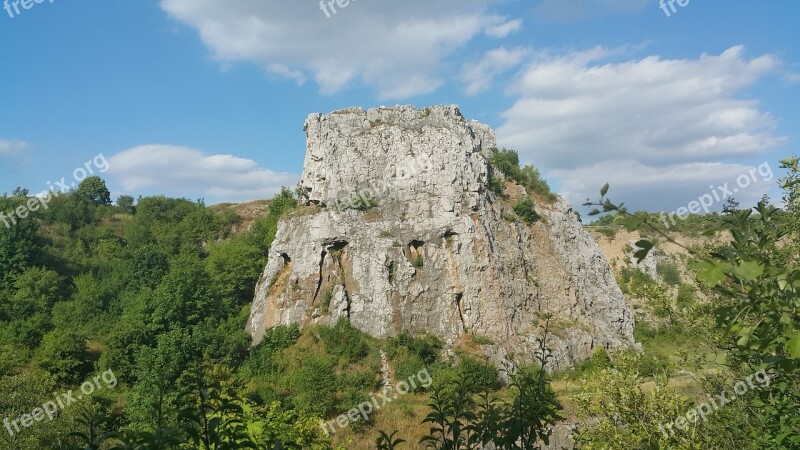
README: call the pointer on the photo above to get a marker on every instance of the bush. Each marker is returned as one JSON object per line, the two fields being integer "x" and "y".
{"x": 526, "y": 210}
{"x": 507, "y": 162}
{"x": 63, "y": 355}
{"x": 634, "y": 281}
{"x": 314, "y": 385}
{"x": 653, "y": 365}
{"x": 685, "y": 295}
{"x": 600, "y": 359}
{"x": 478, "y": 376}
{"x": 262, "y": 358}
{"x": 669, "y": 273}
{"x": 345, "y": 341}
{"x": 426, "y": 347}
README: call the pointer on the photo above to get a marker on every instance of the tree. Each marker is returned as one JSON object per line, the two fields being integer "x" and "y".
{"x": 235, "y": 266}
{"x": 37, "y": 289}
{"x": 731, "y": 206}
{"x": 263, "y": 231}
{"x": 125, "y": 204}
{"x": 18, "y": 244}
{"x": 94, "y": 190}
{"x": 20, "y": 192}
{"x": 63, "y": 355}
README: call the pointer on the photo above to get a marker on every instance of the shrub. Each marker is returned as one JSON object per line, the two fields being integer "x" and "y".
{"x": 600, "y": 359}
{"x": 669, "y": 273}
{"x": 262, "y": 358}
{"x": 478, "y": 376}
{"x": 418, "y": 262}
{"x": 653, "y": 365}
{"x": 63, "y": 355}
{"x": 526, "y": 210}
{"x": 314, "y": 385}
{"x": 507, "y": 161}
{"x": 345, "y": 341}
{"x": 426, "y": 347}
{"x": 685, "y": 295}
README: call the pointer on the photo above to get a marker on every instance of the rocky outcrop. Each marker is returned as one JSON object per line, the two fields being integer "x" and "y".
{"x": 399, "y": 232}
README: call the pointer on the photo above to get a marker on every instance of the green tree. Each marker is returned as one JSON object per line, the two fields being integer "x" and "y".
{"x": 234, "y": 266}
{"x": 125, "y": 204}
{"x": 18, "y": 243}
{"x": 263, "y": 231}
{"x": 94, "y": 190}
{"x": 63, "y": 355}
{"x": 37, "y": 289}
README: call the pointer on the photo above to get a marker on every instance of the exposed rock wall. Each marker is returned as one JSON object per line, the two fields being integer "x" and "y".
{"x": 424, "y": 246}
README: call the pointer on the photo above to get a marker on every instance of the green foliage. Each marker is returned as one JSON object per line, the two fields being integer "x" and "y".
{"x": 756, "y": 281}
{"x": 148, "y": 266}
{"x": 634, "y": 282}
{"x": 93, "y": 189}
{"x": 388, "y": 441}
{"x": 263, "y": 357}
{"x": 458, "y": 421}
{"x": 507, "y": 162}
{"x": 290, "y": 429}
{"x": 18, "y": 244}
{"x": 314, "y": 385}
{"x": 668, "y": 272}
{"x": 477, "y": 376}
{"x": 125, "y": 204}
{"x": 345, "y": 341}
{"x": 624, "y": 416}
{"x": 600, "y": 359}
{"x": 264, "y": 230}
{"x": 234, "y": 266}
{"x": 418, "y": 261}
{"x": 63, "y": 355}
{"x": 37, "y": 289}
{"x": 526, "y": 210}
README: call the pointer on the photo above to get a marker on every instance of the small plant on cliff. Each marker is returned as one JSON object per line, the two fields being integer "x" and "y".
{"x": 526, "y": 210}
{"x": 507, "y": 162}
{"x": 418, "y": 262}
{"x": 326, "y": 300}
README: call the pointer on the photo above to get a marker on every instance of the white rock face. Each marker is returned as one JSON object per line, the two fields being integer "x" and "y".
{"x": 423, "y": 246}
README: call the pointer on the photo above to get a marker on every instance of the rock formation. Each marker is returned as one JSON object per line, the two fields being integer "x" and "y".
{"x": 398, "y": 231}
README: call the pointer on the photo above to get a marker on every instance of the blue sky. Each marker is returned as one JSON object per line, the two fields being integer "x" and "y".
{"x": 207, "y": 98}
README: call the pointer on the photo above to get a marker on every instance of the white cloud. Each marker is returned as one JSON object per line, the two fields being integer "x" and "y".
{"x": 656, "y": 120}
{"x": 504, "y": 28}
{"x": 8, "y": 147}
{"x": 399, "y": 48}
{"x": 792, "y": 77}
{"x": 182, "y": 171}
{"x": 479, "y": 75}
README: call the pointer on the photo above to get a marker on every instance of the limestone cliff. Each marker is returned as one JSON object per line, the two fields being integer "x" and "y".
{"x": 399, "y": 232}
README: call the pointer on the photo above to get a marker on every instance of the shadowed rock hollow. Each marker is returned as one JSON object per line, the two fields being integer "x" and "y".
{"x": 424, "y": 246}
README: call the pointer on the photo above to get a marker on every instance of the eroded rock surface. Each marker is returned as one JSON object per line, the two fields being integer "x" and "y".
{"x": 424, "y": 246}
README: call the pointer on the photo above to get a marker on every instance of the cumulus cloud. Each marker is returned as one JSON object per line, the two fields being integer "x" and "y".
{"x": 182, "y": 171}
{"x": 8, "y": 147}
{"x": 656, "y": 117}
{"x": 479, "y": 75}
{"x": 398, "y": 48}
